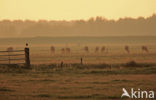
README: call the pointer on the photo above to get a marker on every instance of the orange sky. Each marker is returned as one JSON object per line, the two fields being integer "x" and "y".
{"x": 75, "y": 9}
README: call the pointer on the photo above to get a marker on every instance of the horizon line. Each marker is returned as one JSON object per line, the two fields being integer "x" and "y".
{"x": 83, "y": 36}
{"x": 108, "y": 19}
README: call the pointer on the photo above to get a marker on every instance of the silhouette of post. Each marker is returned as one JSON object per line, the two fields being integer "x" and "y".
{"x": 61, "y": 64}
{"x": 81, "y": 61}
{"x": 27, "y": 58}
{"x": 9, "y": 58}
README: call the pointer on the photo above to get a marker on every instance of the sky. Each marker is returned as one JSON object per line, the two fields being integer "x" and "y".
{"x": 75, "y": 9}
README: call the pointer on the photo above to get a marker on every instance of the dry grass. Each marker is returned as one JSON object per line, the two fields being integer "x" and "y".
{"x": 70, "y": 82}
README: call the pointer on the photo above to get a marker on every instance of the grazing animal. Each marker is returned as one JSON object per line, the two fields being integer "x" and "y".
{"x": 63, "y": 50}
{"x": 67, "y": 50}
{"x": 86, "y": 49}
{"x": 52, "y": 49}
{"x": 97, "y": 49}
{"x": 127, "y": 49}
{"x": 103, "y": 49}
{"x": 144, "y": 48}
{"x": 10, "y": 49}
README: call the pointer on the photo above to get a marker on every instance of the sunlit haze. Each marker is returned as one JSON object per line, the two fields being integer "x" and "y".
{"x": 75, "y": 9}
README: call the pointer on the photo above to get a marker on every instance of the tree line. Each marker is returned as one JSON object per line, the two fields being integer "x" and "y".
{"x": 98, "y": 26}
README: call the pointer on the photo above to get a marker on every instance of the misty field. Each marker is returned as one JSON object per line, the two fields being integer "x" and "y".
{"x": 101, "y": 76}
{"x": 114, "y": 52}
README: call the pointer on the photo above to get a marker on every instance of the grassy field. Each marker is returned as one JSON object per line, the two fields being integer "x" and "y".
{"x": 75, "y": 81}
{"x": 112, "y": 55}
{"x": 101, "y": 77}
{"x": 115, "y": 53}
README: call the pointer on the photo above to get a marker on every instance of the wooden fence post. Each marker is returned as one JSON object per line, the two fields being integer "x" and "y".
{"x": 61, "y": 64}
{"x": 27, "y": 58}
{"x": 9, "y": 58}
{"x": 81, "y": 61}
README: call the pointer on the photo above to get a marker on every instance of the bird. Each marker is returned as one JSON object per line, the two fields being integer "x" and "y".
{"x": 26, "y": 44}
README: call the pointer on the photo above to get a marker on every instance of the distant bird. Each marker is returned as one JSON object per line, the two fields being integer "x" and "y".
{"x": 26, "y": 44}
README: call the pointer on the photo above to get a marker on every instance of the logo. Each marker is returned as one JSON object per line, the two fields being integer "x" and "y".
{"x": 136, "y": 94}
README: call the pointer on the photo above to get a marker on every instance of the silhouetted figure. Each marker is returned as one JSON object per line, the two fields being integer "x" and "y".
{"x": 26, "y": 44}
{"x": 63, "y": 50}
{"x": 103, "y": 49}
{"x": 127, "y": 49}
{"x": 144, "y": 48}
{"x": 97, "y": 49}
{"x": 86, "y": 49}
{"x": 62, "y": 64}
{"x": 67, "y": 50}
{"x": 10, "y": 49}
{"x": 52, "y": 49}
{"x": 81, "y": 61}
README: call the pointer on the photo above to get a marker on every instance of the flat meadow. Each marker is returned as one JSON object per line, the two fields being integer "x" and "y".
{"x": 100, "y": 76}
{"x": 75, "y": 82}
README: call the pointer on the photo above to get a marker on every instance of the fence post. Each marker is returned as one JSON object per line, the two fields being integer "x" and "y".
{"x": 27, "y": 58}
{"x": 61, "y": 64}
{"x": 9, "y": 58}
{"x": 81, "y": 61}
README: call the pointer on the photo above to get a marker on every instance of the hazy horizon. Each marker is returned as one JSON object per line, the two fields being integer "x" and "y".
{"x": 79, "y": 19}
{"x": 92, "y": 27}
{"x": 82, "y": 18}
{"x": 73, "y": 10}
